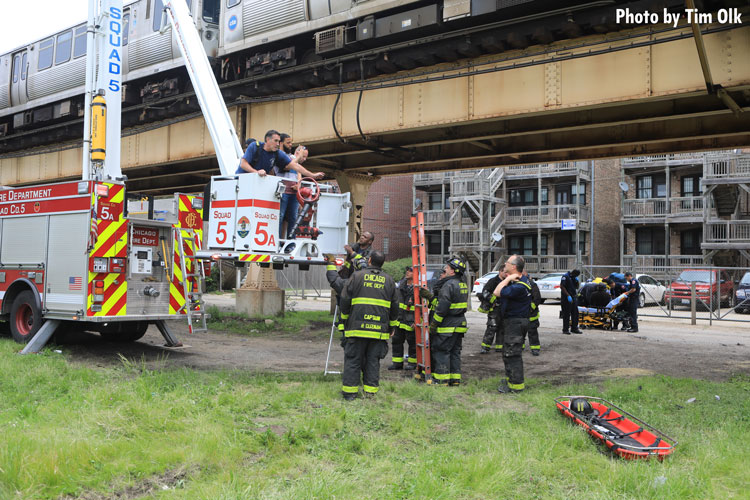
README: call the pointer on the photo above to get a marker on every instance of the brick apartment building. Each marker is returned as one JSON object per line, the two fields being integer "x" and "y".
{"x": 386, "y": 214}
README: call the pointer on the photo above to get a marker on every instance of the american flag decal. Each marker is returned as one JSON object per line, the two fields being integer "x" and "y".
{"x": 75, "y": 283}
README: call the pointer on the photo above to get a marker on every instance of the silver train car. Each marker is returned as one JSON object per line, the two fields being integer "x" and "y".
{"x": 43, "y": 81}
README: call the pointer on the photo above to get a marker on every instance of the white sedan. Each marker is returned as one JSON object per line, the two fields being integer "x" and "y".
{"x": 549, "y": 286}
{"x": 480, "y": 282}
{"x": 652, "y": 291}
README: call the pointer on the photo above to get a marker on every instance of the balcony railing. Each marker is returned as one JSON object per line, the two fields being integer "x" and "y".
{"x": 556, "y": 169}
{"x": 658, "y": 263}
{"x": 548, "y": 214}
{"x": 483, "y": 182}
{"x": 537, "y": 265}
{"x": 730, "y": 231}
{"x": 433, "y": 178}
{"x": 726, "y": 165}
{"x": 663, "y": 160}
{"x": 436, "y": 218}
{"x": 685, "y": 206}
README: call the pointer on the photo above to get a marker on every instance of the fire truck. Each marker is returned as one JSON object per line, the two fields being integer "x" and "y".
{"x": 71, "y": 254}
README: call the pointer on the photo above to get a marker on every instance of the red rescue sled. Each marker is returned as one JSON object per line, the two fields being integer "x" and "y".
{"x": 624, "y": 434}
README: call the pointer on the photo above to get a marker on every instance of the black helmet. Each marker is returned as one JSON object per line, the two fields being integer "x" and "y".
{"x": 457, "y": 265}
{"x": 581, "y": 406}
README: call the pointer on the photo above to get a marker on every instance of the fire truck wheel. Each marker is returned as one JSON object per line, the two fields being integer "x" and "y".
{"x": 25, "y": 317}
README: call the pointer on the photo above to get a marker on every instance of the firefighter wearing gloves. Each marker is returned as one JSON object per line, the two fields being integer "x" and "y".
{"x": 493, "y": 334}
{"x": 448, "y": 324}
{"x": 337, "y": 284}
{"x": 515, "y": 292}
{"x": 369, "y": 309}
{"x": 405, "y": 329}
{"x": 360, "y": 250}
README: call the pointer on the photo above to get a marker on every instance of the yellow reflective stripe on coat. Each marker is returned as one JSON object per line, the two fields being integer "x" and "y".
{"x": 406, "y": 327}
{"x": 459, "y": 305}
{"x": 344, "y": 316}
{"x": 394, "y": 322}
{"x": 534, "y": 309}
{"x": 451, "y": 329}
{"x": 367, "y": 334}
{"x": 331, "y": 267}
{"x": 371, "y": 302}
{"x": 438, "y": 318}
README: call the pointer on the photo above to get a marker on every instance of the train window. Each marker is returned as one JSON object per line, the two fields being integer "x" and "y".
{"x": 125, "y": 29}
{"x": 64, "y": 43}
{"x": 158, "y": 10}
{"x": 211, "y": 11}
{"x": 16, "y": 68}
{"x": 46, "y": 52}
{"x": 232, "y": 3}
{"x": 79, "y": 47}
{"x": 23, "y": 66}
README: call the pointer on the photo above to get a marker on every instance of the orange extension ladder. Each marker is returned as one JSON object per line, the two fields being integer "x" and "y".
{"x": 421, "y": 311}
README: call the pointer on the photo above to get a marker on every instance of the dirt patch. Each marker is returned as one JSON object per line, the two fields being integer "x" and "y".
{"x": 169, "y": 480}
{"x": 673, "y": 350}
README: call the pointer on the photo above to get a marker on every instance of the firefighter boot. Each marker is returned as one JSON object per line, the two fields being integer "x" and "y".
{"x": 397, "y": 366}
{"x": 410, "y": 366}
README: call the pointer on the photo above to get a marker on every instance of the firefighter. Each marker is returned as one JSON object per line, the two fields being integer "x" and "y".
{"x": 515, "y": 292}
{"x": 536, "y": 300}
{"x": 369, "y": 309}
{"x": 404, "y": 331}
{"x": 448, "y": 324}
{"x": 337, "y": 284}
{"x": 568, "y": 301}
{"x": 360, "y": 250}
{"x": 493, "y": 334}
{"x": 634, "y": 294}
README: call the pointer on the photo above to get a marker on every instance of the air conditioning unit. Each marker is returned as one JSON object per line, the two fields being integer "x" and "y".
{"x": 330, "y": 39}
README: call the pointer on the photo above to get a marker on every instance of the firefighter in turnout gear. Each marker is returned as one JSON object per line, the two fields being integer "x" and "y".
{"x": 337, "y": 284}
{"x": 515, "y": 292}
{"x": 405, "y": 329}
{"x": 493, "y": 334}
{"x": 536, "y": 300}
{"x": 448, "y": 324}
{"x": 360, "y": 250}
{"x": 369, "y": 309}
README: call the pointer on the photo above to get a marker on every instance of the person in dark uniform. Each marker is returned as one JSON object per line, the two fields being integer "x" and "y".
{"x": 448, "y": 324}
{"x": 493, "y": 333}
{"x": 369, "y": 309}
{"x": 515, "y": 292}
{"x": 536, "y": 300}
{"x": 337, "y": 284}
{"x": 405, "y": 329}
{"x": 360, "y": 250}
{"x": 568, "y": 301}
{"x": 618, "y": 289}
{"x": 634, "y": 295}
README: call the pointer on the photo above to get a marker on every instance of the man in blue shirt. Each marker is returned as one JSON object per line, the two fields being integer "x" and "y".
{"x": 266, "y": 156}
{"x": 569, "y": 301}
{"x": 634, "y": 297}
{"x": 515, "y": 294}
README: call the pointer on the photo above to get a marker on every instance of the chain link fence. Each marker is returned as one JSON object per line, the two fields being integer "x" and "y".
{"x": 700, "y": 293}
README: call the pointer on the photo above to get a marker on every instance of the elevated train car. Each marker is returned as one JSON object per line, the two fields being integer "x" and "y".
{"x": 43, "y": 81}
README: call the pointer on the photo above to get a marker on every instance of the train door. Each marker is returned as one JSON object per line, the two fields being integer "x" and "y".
{"x": 18, "y": 74}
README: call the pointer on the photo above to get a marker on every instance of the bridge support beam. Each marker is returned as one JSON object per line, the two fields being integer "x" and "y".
{"x": 358, "y": 186}
{"x": 260, "y": 295}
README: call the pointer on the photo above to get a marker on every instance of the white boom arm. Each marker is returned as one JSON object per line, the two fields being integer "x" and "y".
{"x": 227, "y": 145}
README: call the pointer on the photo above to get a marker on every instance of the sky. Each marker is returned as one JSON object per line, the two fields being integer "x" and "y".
{"x": 23, "y": 21}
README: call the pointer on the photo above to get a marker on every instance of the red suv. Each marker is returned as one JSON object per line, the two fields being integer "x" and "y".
{"x": 707, "y": 288}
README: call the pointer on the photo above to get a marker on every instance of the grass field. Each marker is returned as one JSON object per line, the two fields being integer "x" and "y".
{"x": 126, "y": 432}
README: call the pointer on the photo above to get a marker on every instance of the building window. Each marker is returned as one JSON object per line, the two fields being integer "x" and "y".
{"x": 565, "y": 243}
{"x": 649, "y": 241}
{"x": 522, "y": 197}
{"x": 526, "y": 244}
{"x": 158, "y": 10}
{"x": 125, "y": 29}
{"x": 690, "y": 242}
{"x": 64, "y": 44}
{"x": 651, "y": 186}
{"x": 386, "y": 245}
{"x": 435, "y": 201}
{"x": 691, "y": 185}
{"x": 574, "y": 194}
{"x": 386, "y": 204}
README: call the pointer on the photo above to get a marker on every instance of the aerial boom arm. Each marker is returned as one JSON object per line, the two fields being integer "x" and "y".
{"x": 227, "y": 145}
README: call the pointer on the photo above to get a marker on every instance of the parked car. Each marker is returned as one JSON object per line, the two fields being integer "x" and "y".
{"x": 743, "y": 294}
{"x": 480, "y": 282}
{"x": 652, "y": 291}
{"x": 709, "y": 285}
{"x": 549, "y": 286}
